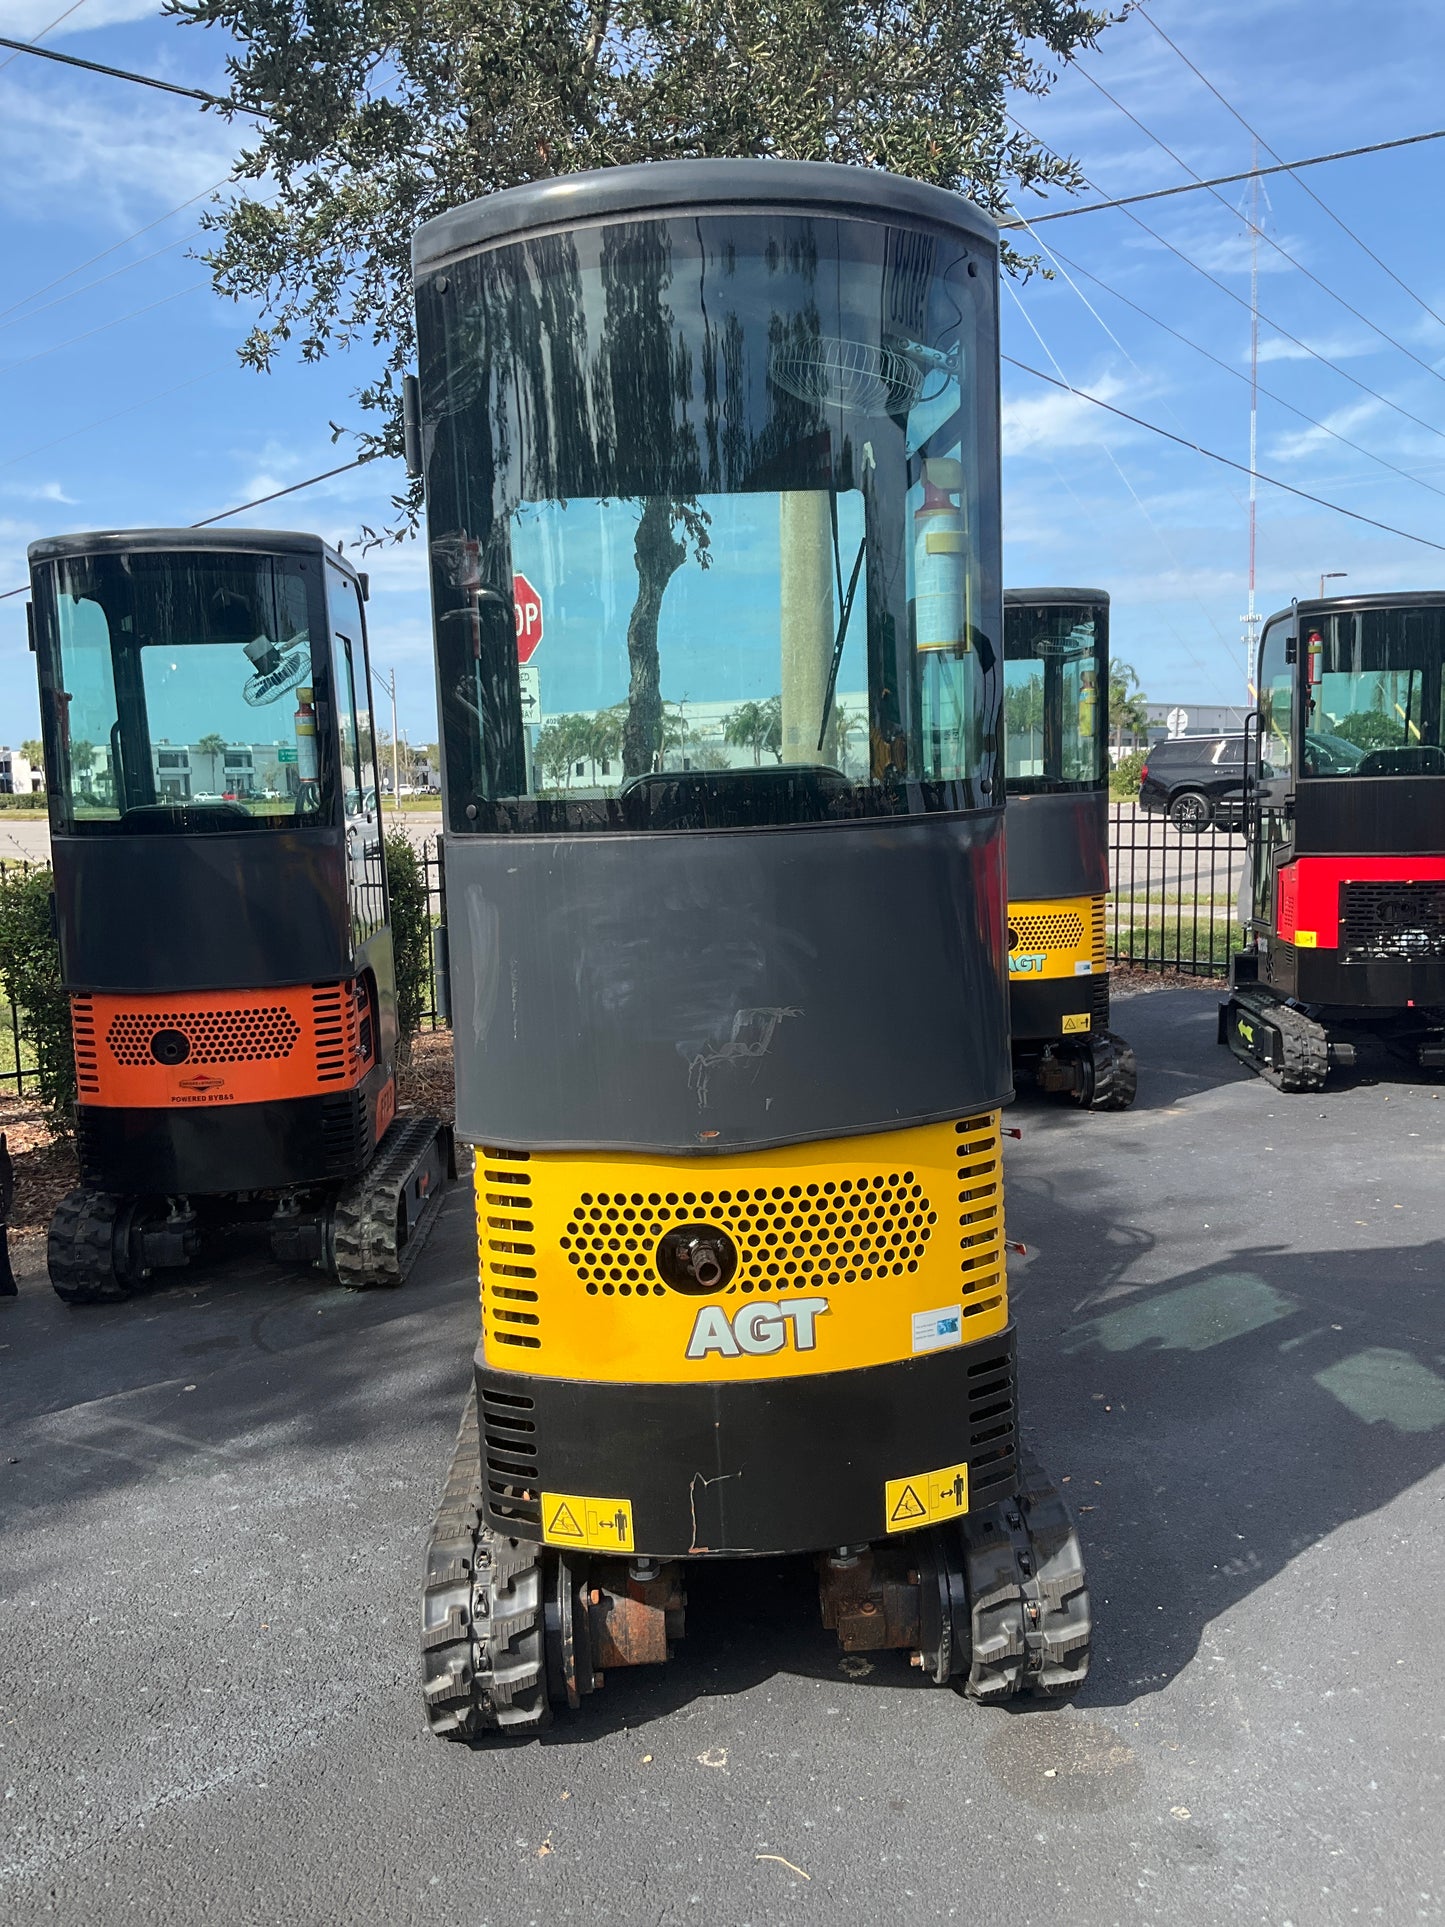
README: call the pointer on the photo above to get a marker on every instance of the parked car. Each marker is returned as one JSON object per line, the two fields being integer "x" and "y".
{"x": 1195, "y": 781}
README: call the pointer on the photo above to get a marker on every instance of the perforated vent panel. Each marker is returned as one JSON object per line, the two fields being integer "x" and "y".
{"x": 250, "y": 1034}
{"x": 1399, "y": 921}
{"x": 82, "y": 1027}
{"x": 507, "y": 1251}
{"x": 803, "y": 1235}
{"x": 1064, "y": 930}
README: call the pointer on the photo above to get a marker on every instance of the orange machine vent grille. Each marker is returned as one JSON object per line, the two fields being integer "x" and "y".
{"x": 87, "y": 1064}
{"x": 250, "y": 1034}
{"x": 337, "y": 1013}
{"x": 507, "y": 1252}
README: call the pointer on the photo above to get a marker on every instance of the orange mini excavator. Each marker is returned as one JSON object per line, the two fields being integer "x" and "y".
{"x": 222, "y": 909}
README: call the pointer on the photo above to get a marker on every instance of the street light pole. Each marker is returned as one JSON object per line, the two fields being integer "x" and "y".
{"x": 1331, "y": 575}
{"x": 389, "y": 688}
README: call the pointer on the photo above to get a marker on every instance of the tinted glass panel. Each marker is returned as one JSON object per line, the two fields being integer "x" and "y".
{"x": 181, "y": 692}
{"x": 1373, "y": 694}
{"x": 1056, "y": 662}
{"x": 711, "y": 525}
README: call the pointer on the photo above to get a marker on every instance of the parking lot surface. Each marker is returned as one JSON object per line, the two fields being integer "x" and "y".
{"x": 213, "y": 1504}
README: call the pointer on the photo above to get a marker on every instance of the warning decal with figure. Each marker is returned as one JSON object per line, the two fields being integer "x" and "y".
{"x": 926, "y": 1499}
{"x": 599, "y": 1525}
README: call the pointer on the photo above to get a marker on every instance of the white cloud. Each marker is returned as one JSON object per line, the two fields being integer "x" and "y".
{"x": 37, "y": 492}
{"x": 24, "y": 19}
{"x": 1053, "y": 420}
{"x": 1309, "y": 441}
{"x": 119, "y": 163}
{"x": 1339, "y": 348}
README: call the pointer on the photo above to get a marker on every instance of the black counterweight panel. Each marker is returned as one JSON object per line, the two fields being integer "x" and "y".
{"x": 730, "y": 990}
{"x": 1058, "y": 846}
{"x": 173, "y": 913}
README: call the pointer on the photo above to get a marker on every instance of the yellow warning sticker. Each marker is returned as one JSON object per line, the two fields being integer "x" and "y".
{"x": 925, "y": 1499}
{"x": 1080, "y": 1022}
{"x": 1307, "y": 939}
{"x": 601, "y": 1525}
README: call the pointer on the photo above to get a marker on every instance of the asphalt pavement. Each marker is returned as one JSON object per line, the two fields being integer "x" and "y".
{"x": 213, "y": 1504}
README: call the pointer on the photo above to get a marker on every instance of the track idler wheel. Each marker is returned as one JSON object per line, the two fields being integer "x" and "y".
{"x": 92, "y": 1250}
{"x": 1108, "y": 1074}
{"x": 1004, "y": 1600}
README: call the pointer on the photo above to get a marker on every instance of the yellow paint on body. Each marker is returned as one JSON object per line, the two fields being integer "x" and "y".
{"x": 859, "y": 1234}
{"x": 1056, "y": 937}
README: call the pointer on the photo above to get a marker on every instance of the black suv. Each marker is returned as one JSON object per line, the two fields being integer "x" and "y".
{"x": 1195, "y": 781}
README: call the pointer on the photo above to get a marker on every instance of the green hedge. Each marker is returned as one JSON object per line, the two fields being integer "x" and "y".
{"x": 1124, "y": 776}
{"x": 406, "y": 878}
{"x": 30, "y": 974}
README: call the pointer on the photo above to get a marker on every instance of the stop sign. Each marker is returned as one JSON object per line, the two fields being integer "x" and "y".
{"x": 527, "y": 607}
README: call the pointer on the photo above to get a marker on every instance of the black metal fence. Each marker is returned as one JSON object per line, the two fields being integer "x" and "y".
{"x": 18, "y": 1073}
{"x": 1175, "y": 898}
{"x": 1174, "y": 906}
{"x": 436, "y": 1013}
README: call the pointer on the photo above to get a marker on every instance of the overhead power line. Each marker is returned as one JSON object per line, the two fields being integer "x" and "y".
{"x": 1238, "y": 374}
{"x": 223, "y": 515}
{"x": 139, "y": 80}
{"x": 1268, "y": 239}
{"x": 1212, "y": 455}
{"x": 1241, "y": 302}
{"x": 1304, "y": 186}
{"x": 126, "y": 240}
{"x": 276, "y": 494}
{"x": 1217, "y": 180}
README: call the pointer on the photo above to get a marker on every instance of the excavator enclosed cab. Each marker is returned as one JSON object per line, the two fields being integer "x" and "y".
{"x": 711, "y": 466}
{"x": 1345, "y": 824}
{"x": 1056, "y": 712}
{"x": 222, "y": 910}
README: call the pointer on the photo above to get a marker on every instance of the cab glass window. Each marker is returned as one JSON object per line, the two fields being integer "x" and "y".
{"x": 1373, "y": 690}
{"x": 1055, "y": 696}
{"x": 176, "y": 691}
{"x": 710, "y": 505}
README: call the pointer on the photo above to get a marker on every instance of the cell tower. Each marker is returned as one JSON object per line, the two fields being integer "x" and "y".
{"x": 1251, "y": 619}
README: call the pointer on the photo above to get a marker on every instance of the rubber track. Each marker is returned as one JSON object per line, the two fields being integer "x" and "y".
{"x": 363, "y": 1219}
{"x": 483, "y": 1660}
{"x": 1116, "y": 1074}
{"x": 1028, "y": 1593}
{"x": 1305, "y": 1051}
{"x": 80, "y": 1250}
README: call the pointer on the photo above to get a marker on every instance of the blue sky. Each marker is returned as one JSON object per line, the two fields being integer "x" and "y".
{"x": 121, "y": 401}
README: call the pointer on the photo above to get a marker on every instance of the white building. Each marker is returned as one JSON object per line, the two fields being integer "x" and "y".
{"x": 17, "y": 778}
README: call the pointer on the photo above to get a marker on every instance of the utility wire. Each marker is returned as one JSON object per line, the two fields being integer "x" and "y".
{"x": 1324, "y": 208}
{"x": 21, "y": 361}
{"x": 1118, "y": 469}
{"x": 276, "y": 494}
{"x": 1227, "y": 461}
{"x": 159, "y": 221}
{"x": 223, "y": 515}
{"x": 140, "y": 80}
{"x": 1240, "y": 301}
{"x": 1230, "y": 369}
{"x": 16, "y": 321}
{"x": 1217, "y": 180}
{"x": 1269, "y": 241}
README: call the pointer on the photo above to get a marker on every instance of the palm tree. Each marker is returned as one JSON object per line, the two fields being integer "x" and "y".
{"x": 756, "y": 726}
{"x": 1127, "y": 710}
{"x": 213, "y": 746}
